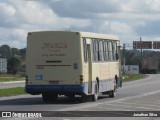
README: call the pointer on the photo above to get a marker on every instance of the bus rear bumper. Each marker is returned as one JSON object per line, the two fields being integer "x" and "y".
{"x": 56, "y": 89}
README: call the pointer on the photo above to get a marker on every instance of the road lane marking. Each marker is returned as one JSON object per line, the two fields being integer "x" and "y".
{"x": 156, "y": 102}
{"x": 137, "y": 103}
{"x": 133, "y": 107}
{"x": 111, "y": 101}
{"x": 153, "y": 109}
{"x": 147, "y": 102}
{"x": 119, "y": 105}
{"x": 118, "y": 109}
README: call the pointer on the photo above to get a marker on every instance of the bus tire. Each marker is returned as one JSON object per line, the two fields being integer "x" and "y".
{"x": 112, "y": 94}
{"x": 72, "y": 97}
{"x": 95, "y": 95}
{"x": 48, "y": 97}
{"x": 45, "y": 97}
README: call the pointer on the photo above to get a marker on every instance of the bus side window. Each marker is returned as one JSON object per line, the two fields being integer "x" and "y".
{"x": 114, "y": 51}
{"x": 104, "y": 50}
{"x": 110, "y": 50}
{"x": 105, "y": 47}
{"x": 107, "y": 51}
{"x": 85, "y": 50}
{"x": 101, "y": 55}
{"x": 93, "y": 51}
{"x": 96, "y": 51}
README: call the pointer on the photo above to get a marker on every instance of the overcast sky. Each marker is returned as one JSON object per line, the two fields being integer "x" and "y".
{"x": 129, "y": 19}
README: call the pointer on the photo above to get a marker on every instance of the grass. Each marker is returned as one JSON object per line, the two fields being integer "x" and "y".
{"x": 130, "y": 77}
{"x": 8, "y": 78}
{"x": 12, "y": 91}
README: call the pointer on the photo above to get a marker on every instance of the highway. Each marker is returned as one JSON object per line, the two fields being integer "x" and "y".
{"x": 140, "y": 95}
{"x": 12, "y": 84}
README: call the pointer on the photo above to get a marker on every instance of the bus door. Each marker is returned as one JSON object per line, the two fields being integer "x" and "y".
{"x": 89, "y": 68}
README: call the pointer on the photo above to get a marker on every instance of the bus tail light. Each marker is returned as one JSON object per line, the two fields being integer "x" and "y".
{"x": 81, "y": 79}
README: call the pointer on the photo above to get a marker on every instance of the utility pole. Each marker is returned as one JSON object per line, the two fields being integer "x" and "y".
{"x": 124, "y": 62}
{"x": 13, "y": 60}
{"x": 141, "y": 50}
{"x": 141, "y": 57}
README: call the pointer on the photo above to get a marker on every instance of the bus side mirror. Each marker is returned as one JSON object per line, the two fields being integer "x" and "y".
{"x": 117, "y": 56}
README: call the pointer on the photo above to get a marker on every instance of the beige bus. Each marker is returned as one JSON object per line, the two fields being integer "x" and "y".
{"x": 72, "y": 63}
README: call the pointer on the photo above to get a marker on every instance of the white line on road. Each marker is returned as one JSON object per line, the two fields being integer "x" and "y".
{"x": 145, "y": 102}
{"x": 118, "y": 105}
{"x": 134, "y": 106}
{"x": 156, "y": 102}
{"x": 138, "y": 103}
{"x": 111, "y": 101}
{"x": 149, "y": 108}
{"x": 118, "y": 109}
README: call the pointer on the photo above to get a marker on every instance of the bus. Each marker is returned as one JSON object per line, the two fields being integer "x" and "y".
{"x": 72, "y": 63}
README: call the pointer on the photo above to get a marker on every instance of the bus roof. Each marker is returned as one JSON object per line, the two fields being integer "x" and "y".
{"x": 98, "y": 35}
{"x": 86, "y": 34}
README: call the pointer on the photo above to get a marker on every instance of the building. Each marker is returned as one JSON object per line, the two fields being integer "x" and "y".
{"x": 3, "y": 65}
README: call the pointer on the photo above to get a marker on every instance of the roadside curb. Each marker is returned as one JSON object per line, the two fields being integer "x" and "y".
{"x": 12, "y": 82}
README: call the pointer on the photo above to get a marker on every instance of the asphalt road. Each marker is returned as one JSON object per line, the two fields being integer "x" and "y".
{"x": 140, "y": 95}
{"x": 12, "y": 84}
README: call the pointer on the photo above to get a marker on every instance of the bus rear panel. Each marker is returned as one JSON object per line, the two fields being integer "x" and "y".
{"x": 54, "y": 63}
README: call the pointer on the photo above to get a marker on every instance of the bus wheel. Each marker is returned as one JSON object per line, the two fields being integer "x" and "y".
{"x": 112, "y": 94}
{"x": 45, "y": 97}
{"x": 83, "y": 98}
{"x": 95, "y": 95}
{"x": 48, "y": 97}
{"x": 72, "y": 97}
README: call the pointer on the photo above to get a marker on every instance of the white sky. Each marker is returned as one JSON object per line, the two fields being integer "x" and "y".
{"x": 129, "y": 19}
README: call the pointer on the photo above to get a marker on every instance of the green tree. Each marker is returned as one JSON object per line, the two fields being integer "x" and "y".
{"x": 132, "y": 57}
{"x": 23, "y": 53}
{"x": 5, "y": 51}
{"x": 13, "y": 65}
